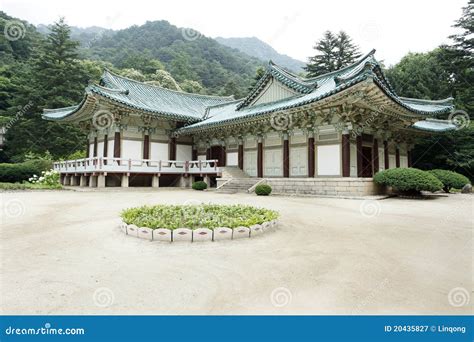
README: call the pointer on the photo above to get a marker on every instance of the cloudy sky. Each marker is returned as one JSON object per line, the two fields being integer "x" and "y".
{"x": 291, "y": 27}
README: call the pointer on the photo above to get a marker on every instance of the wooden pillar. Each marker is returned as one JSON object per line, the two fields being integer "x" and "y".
{"x": 195, "y": 154}
{"x": 222, "y": 159}
{"x": 375, "y": 156}
{"x": 146, "y": 147}
{"x": 260, "y": 159}
{"x": 240, "y": 156}
{"x": 208, "y": 153}
{"x": 385, "y": 154}
{"x": 397, "y": 157}
{"x": 360, "y": 156}
{"x": 88, "y": 148}
{"x": 172, "y": 149}
{"x": 95, "y": 147}
{"x": 286, "y": 157}
{"x": 409, "y": 158}
{"x": 117, "y": 145}
{"x": 106, "y": 148}
{"x": 311, "y": 157}
{"x": 346, "y": 155}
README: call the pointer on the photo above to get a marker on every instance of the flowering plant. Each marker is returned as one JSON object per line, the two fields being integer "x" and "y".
{"x": 50, "y": 177}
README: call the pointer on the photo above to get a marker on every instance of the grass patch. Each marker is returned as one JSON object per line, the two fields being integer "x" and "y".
{"x": 197, "y": 216}
{"x": 28, "y": 186}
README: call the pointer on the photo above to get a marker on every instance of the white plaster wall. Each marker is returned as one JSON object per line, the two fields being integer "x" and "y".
{"x": 329, "y": 160}
{"x": 274, "y": 91}
{"x": 403, "y": 161}
{"x": 381, "y": 159}
{"x": 91, "y": 150}
{"x": 298, "y": 161}
{"x": 202, "y": 157}
{"x": 273, "y": 163}
{"x": 353, "y": 164}
{"x": 100, "y": 149}
{"x": 158, "y": 151}
{"x": 391, "y": 161}
{"x": 250, "y": 163}
{"x": 184, "y": 152}
{"x": 232, "y": 159}
{"x": 132, "y": 149}
{"x": 110, "y": 149}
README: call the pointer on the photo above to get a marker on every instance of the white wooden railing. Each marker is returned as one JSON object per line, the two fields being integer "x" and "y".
{"x": 102, "y": 164}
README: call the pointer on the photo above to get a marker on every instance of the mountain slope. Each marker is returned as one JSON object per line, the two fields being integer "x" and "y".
{"x": 185, "y": 53}
{"x": 253, "y": 46}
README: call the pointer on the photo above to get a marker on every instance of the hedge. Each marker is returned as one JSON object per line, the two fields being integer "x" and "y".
{"x": 450, "y": 179}
{"x": 408, "y": 180}
{"x": 199, "y": 185}
{"x": 19, "y": 172}
{"x": 263, "y": 189}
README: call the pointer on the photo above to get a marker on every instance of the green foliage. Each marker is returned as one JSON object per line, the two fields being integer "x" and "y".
{"x": 263, "y": 189}
{"x": 27, "y": 186}
{"x": 199, "y": 185}
{"x": 50, "y": 178}
{"x": 197, "y": 216}
{"x": 450, "y": 179}
{"x": 20, "y": 172}
{"x": 335, "y": 51}
{"x": 408, "y": 180}
{"x": 81, "y": 154}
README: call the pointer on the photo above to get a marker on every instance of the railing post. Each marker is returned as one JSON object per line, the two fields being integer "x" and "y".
{"x": 200, "y": 165}
{"x": 100, "y": 163}
{"x": 129, "y": 164}
{"x": 186, "y": 166}
{"x": 159, "y": 165}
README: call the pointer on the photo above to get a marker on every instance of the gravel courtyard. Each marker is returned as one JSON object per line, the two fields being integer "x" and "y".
{"x": 63, "y": 253}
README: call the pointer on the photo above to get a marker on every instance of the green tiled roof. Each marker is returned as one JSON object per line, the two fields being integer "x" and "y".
{"x": 201, "y": 111}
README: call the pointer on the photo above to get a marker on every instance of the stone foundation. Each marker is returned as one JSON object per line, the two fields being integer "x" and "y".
{"x": 325, "y": 186}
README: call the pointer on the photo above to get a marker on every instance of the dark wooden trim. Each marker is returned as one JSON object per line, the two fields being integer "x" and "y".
{"x": 223, "y": 158}
{"x": 240, "y": 157}
{"x": 117, "y": 145}
{"x": 95, "y": 147}
{"x": 172, "y": 149}
{"x": 375, "y": 156}
{"x": 106, "y": 148}
{"x": 311, "y": 157}
{"x": 260, "y": 160}
{"x": 146, "y": 147}
{"x": 208, "y": 153}
{"x": 346, "y": 155}
{"x": 360, "y": 172}
{"x": 409, "y": 156}
{"x": 88, "y": 148}
{"x": 397, "y": 157}
{"x": 385, "y": 155}
{"x": 286, "y": 158}
{"x": 195, "y": 154}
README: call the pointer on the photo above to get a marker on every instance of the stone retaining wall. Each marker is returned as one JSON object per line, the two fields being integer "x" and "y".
{"x": 199, "y": 234}
{"x": 325, "y": 186}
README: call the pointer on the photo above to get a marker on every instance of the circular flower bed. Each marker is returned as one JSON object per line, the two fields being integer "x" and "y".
{"x": 196, "y": 222}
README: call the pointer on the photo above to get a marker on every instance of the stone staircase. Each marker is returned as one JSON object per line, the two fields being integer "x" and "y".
{"x": 235, "y": 180}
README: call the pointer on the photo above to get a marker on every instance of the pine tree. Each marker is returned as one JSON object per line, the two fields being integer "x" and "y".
{"x": 335, "y": 51}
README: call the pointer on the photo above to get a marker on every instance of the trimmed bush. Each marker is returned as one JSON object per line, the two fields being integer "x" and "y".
{"x": 408, "y": 181}
{"x": 263, "y": 189}
{"x": 199, "y": 185}
{"x": 197, "y": 216}
{"x": 450, "y": 179}
{"x": 19, "y": 172}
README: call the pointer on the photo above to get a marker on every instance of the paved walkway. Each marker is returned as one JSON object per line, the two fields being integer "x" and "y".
{"x": 62, "y": 253}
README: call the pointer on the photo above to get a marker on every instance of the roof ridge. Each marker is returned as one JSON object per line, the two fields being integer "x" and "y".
{"x": 231, "y": 97}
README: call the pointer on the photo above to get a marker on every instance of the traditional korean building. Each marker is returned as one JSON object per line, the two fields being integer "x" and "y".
{"x": 342, "y": 126}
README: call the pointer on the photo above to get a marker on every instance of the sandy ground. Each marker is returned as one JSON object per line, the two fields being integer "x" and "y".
{"x": 62, "y": 253}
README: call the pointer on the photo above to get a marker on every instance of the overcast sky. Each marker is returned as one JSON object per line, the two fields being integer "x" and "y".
{"x": 291, "y": 27}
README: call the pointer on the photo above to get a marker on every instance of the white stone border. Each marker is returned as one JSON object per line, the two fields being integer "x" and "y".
{"x": 197, "y": 235}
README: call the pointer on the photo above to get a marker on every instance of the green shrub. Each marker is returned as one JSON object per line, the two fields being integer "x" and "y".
{"x": 197, "y": 216}
{"x": 28, "y": 186}
{"x": 450, "y": 179}
{"x": 263, "y": 189}
{"x": 408, "y": 180}
{"x": 19, "y": 172}
{"x": 199, "y": 185}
